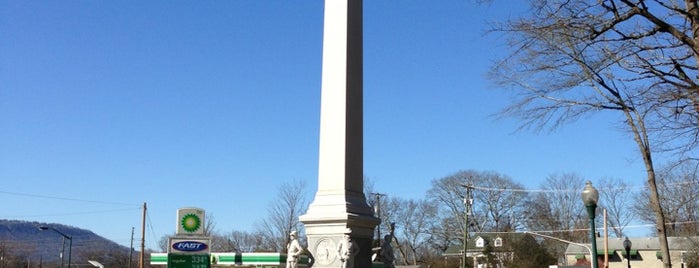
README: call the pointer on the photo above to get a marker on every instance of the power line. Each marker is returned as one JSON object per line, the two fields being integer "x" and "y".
{"x": 636, "y": 187}
{"x": 588, "y": 229}
{"x": 152, "y": 232}
{"x": 69, "y": 214}
{"x": 66, "y": 199}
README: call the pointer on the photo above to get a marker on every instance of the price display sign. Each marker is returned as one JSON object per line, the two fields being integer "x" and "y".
{"x": 188, "y": 261}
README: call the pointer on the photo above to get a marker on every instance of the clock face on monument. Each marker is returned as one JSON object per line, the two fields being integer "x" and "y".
{"x": 325, "y": 251}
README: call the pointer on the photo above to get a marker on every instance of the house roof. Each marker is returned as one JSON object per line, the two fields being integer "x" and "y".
{"x": 642, "y": 243}
{"x": 458, "y": 248}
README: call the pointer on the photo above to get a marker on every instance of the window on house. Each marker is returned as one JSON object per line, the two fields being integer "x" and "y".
{"x": 498, "y": 242}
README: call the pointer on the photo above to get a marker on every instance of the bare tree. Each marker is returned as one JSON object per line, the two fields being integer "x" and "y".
{"x": 616, "y": 198}
{"x": 377, "y": 201}
{"x": 414, "y": 221}
{"x": 163, "y": 243}
{"x": 284, "y": 215}
{"x": 499, "y": 205}
{"x": 209, "y": 224}
{"x": 390, "y": 207}
{"x": 679, "y": 193}
{"x": 500, "y": 202}
{"x": 241, "y": 241}
{"x": 449, "y": 194}
{"x": 634, "y": 57}
{"x": 558, "y": 209}
{"x": 219, "y": 243}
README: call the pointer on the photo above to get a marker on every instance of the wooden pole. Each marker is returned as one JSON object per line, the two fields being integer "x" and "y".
{"x": 131, "y": 248}
{"x": 141, "y": 258}
{"x": 606, "y": 240}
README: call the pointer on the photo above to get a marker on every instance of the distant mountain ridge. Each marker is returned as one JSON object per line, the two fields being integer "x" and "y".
{"x": 23, "y": 240}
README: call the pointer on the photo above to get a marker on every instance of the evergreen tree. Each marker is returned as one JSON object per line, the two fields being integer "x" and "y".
{"x": 528, "y": 253}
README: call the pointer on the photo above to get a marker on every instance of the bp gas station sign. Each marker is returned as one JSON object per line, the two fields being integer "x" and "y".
{"x": 189, "y": 248}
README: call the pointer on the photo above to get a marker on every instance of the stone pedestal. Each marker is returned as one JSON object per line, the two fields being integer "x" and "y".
{"x": 340, "y": 204}
{"x": 324, "y": 233}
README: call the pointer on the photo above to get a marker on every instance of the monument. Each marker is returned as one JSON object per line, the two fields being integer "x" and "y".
{"x": 339, "y": 207}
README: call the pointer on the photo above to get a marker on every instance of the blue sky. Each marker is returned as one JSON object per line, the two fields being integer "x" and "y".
{"x": 105, "y": 105}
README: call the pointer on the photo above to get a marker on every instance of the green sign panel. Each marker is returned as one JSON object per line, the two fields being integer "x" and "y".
{"x": 188, "y": 261}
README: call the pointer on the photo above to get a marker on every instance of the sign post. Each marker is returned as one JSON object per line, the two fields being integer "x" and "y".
{"x": 189, "y": 248}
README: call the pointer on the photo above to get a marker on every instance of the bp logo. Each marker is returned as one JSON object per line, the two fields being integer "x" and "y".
{"x": 190, "y": 223}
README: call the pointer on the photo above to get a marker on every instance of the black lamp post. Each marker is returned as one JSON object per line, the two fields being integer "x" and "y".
{"x": 627, "y": 247}
{"x": 590, "y": 195}
{"x": 65, "y": 236}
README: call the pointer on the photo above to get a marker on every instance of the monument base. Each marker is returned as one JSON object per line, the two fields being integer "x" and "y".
{"x": 329, "y": 217}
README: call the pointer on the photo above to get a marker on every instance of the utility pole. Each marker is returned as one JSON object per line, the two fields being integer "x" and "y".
{"x": 131, "y": 248}
{"x": 606, "y": 239}
{"x": 2, "y": 252}
{"x": 377, "y": 211}
{"x": 468, "y": 202}
{"x": 142, "y": 257}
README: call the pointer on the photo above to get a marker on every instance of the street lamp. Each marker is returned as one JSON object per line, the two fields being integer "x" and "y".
{"x": 590, "y": 195}
{"x": 627, "y": 247}
{"x": 468, "y": 202}
{"x": 65, "y": 236}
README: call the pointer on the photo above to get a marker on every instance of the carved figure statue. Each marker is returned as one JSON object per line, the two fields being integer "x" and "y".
{"x": 387, "y": 252}
{"x": 293, "y": 250}
{"x": 346, "y": 250}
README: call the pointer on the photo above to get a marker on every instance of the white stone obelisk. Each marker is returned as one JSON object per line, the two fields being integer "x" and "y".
{"x": 339, "y": 205}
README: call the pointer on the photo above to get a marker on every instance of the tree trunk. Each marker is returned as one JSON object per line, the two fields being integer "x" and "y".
{"x": 657, "y": 209}
{"x": 641, "y": 138}
{"x": 693, "y": 18}
{"x": 402, "y": 251}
